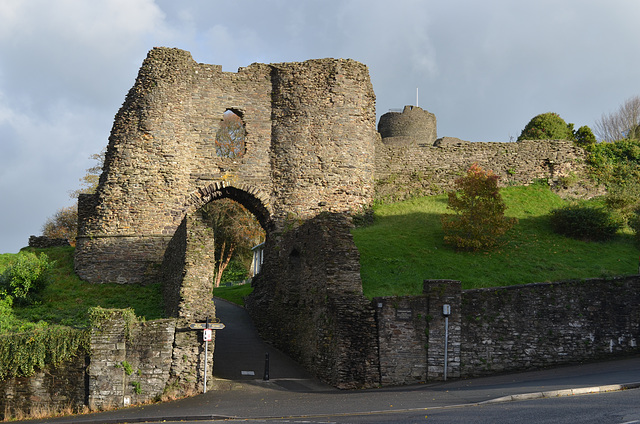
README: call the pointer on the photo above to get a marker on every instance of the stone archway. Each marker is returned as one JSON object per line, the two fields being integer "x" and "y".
{"x": 187, "y": 273}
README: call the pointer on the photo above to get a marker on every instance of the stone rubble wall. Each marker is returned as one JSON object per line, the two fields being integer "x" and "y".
{"x": 537, "y": 325}
{"x": 415, "y": 168}
{"x": 43, "y": 242}
{"x": 506, "y": 329}
{"x": 308, "y": 301}
{"x": 53, "y": 389}
{"x": 117, "y": 345}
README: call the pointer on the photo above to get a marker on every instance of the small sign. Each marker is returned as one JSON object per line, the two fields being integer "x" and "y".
{"x": 404, "y": 314}
{"x": 203, "y": 325}
{"x": 207, "y": 335}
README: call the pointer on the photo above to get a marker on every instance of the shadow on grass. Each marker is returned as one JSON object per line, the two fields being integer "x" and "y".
{"x": 399, "y": 251}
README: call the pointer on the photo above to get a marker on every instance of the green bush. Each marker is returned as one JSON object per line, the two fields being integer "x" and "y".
{"x": 584, "y": 223}
{"x": 622, "y": 200}
{"x": 547, "y": 126}
{"x": 634, "y": 223}
{"x": 615, "y": 163}
{"x": 234, "y": 272}
{"x": 26, "y": 276}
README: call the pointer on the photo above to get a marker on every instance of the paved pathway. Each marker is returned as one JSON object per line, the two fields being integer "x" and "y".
{"x": 240, "y": 354}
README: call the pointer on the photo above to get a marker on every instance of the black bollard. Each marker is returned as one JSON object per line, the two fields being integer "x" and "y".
{"x": 266, "y": 367}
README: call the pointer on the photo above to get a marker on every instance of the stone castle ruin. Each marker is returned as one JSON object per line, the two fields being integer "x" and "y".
{"x": 313, "y": 157}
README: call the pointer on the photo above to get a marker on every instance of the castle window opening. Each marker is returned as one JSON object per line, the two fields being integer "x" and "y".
{"x": 231, "y": 135}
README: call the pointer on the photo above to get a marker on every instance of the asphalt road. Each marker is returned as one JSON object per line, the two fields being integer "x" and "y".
{"x": 622, "y": 407}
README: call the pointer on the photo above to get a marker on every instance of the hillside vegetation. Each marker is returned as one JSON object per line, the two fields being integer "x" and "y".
{"x": 404, "y": 246}
{"x": 66, "y": 299}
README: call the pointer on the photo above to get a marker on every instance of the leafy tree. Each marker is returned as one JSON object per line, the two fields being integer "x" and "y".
{"x": 479, "y": 221}
{"x": 623, "y": 123}
{"x": 584, "y": 136}
{"x": 235, "y": 232}
{"x": 230, "y": 136}
{"x": 90, "y": 180}
{"x": 547, "y": 126}
{"x": 63, "y": 224}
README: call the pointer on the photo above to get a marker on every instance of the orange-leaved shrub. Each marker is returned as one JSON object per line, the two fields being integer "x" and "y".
{"x": 479, "y": 221}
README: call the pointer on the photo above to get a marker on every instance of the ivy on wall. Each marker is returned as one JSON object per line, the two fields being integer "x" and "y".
{"x": 21, "y": 354}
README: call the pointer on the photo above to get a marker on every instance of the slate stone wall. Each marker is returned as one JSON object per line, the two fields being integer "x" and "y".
{"x": 402, "y": 338}
{"x": 308, "y": 301}
{"x": 130, "y": 362}
{"x": 61, "y": 388}
{"x": 506, "y": 329}
{"x": 538, "y": 325}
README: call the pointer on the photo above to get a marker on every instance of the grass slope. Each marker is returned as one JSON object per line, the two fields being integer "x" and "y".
{"x": 66, "y": 299}
{"x": 404, "y": 246}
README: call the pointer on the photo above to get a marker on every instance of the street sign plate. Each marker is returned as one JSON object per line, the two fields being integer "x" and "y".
{"x": 203, "y": 325}
{"x": 207, "y": 335}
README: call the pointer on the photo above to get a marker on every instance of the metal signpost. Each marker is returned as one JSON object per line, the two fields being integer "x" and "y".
{"x": 207, "y": 335}
{"x": 446, "y": 311}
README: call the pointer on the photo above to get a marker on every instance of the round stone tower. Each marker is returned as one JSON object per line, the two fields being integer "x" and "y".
{"x": 414, "y": 125}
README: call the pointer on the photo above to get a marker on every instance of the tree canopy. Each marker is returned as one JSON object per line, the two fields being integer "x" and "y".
{"x": 547, "y": 126}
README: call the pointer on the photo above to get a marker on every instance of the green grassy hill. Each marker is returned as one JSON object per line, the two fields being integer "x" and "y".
{"x": 404, "y": 246}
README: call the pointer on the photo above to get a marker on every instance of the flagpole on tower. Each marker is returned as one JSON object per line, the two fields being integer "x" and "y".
{"x": 416, "y": 96}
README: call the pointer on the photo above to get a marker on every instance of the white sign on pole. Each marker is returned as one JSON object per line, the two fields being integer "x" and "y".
{"x": 207, "y": 334}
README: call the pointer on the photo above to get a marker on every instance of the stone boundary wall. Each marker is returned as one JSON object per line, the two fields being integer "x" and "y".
{"x": 415, "y": 168}
{"x": 60, "y": 388}
{"x": 130, "y": 362}
{"x": 506, "y": 329}
{"x": 538, "y": 325}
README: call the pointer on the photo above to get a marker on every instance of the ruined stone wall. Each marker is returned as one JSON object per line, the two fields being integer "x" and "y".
{"x": 310, "y": 129}
{"x": 188, "y": 297}
{"x": 418, "y": 168}
{"x": 308, "y": 301}
{"x": 506, "y": 329}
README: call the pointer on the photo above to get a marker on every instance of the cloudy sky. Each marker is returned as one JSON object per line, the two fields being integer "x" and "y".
{"x": 483, "y": 67}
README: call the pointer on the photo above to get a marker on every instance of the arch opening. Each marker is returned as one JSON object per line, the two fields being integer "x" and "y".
{"x": 236, "y": 232}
